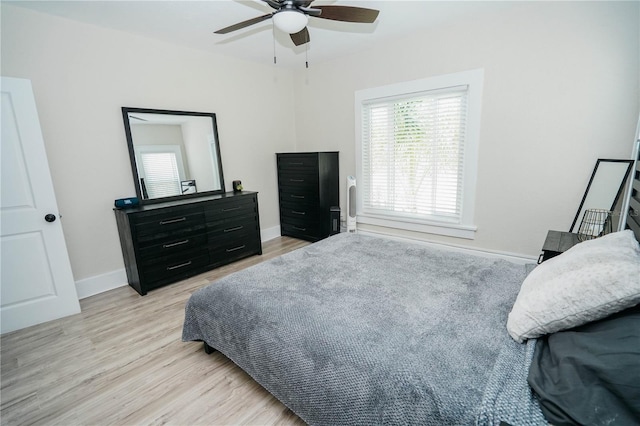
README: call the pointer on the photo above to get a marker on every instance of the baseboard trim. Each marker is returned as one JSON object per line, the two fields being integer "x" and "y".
{"x": 511, "y": 257}
{"x": 101, "y": 283}
{"x": 269, "y": 233}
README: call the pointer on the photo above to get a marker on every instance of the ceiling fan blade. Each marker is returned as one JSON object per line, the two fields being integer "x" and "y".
{"x": 300, "y": 37}
{"x": 243, "y": 24}
{"x": 348, "y": 14}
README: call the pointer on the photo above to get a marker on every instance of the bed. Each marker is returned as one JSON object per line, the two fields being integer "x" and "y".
{"x": 357, "y": 329}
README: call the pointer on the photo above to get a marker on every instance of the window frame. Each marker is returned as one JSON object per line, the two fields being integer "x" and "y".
{"x": 465, "y": 228}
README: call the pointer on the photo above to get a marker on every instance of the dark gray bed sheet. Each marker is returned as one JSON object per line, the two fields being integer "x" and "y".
{"x": 590, "y": 375}
{"x": 363, "y": 330}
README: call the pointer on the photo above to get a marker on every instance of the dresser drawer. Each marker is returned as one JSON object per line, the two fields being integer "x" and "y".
{"x": 232, "y": 226}
{"x": 222, "y": 209}
{"x": 167, "y": 222}
{"x": 170, "y": 246}
{"x": 168, "y": 269}
{"x": 302, "y": 161}
{"x": 241, "y": 246}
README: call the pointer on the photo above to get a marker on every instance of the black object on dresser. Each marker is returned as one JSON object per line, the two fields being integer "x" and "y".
{"x": 308, "y": 188}
{"x": 166, "y": 242}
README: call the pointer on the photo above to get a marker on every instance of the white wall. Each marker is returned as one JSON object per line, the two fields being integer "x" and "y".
{"x": 198, "y": 133}
{"x": 82, "y": 75}
{"x": 561, "y": 90}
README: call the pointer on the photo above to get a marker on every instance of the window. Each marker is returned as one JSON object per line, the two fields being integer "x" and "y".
{"x": 161, "y": 174}
{"x": 160, "y": 169}
{"x": 417, "y": 154}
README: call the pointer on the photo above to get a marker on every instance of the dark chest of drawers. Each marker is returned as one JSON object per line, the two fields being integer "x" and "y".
{"x": 308, "y": 188}
{"x": 167, "y": 242}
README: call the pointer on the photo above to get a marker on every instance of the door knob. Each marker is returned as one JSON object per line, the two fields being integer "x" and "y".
{"x": 50, "y": 217}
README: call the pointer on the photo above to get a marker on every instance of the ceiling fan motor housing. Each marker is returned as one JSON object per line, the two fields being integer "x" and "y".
{"x": 290, "y": 20}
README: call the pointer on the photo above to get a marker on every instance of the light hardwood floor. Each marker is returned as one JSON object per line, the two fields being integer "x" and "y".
{"x": 122, "y": 362}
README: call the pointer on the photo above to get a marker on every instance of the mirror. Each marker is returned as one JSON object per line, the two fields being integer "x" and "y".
{"x": 174, "y": 154}
{"x": 604, "y": 188}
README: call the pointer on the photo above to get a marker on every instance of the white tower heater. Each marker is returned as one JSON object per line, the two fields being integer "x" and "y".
{"x": 351, "y": 204}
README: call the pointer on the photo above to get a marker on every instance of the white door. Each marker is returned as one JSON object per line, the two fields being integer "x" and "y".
{"x": 36, "y": 282}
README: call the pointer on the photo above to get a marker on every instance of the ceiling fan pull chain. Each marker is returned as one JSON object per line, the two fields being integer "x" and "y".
{"x": 306, "y": 53}
{"x": 273, "y": 36}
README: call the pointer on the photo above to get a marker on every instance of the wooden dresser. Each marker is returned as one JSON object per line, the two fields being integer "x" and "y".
{"x": 167, "y": 242}
{"x": 308, "y": 188}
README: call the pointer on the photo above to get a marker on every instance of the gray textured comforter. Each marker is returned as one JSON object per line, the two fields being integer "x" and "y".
{"x": 362, "y": 330}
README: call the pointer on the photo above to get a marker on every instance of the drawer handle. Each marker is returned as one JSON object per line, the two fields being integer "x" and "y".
{"x": 230, "y": 210}
{"x": 299, "y": 229}
{"x": 235, "y": 248}
{"x": 296, "y": 164}
{"x": 237, "y": 228}
{"x": 300, "y": 213}
{"x": 167, "y": 222}
{"x": 296, "y": 180}
{"x": 182, "y": 265}
{"x": 179, "y": 243}
{"x": 297, "y": 196}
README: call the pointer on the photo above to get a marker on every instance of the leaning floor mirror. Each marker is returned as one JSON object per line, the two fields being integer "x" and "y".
{"x": 603, "y": 191}
{"x": 174, "y": 154}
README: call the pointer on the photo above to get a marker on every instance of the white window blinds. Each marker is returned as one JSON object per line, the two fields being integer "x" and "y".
{"x": 161, "y": 176}
{"x": 413, "y": 154}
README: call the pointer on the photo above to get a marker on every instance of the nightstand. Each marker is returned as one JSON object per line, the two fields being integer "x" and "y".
{"x": 557, "y": 242}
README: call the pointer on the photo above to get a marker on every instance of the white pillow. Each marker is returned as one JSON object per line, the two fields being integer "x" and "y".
{"x": 591, "y": 280}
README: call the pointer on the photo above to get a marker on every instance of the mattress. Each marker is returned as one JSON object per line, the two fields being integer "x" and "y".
{"x": 357, "y": 329}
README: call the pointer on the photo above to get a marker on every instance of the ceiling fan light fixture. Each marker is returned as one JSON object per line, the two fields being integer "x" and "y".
{"x": 290, "y": 21}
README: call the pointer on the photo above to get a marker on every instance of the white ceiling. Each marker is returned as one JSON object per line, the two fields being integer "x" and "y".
{"x": 192, "y": 23}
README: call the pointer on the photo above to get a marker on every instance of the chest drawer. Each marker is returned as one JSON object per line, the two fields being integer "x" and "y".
{"x": 296, "y": 162}
{"x": 298, "y": 181}
{"x": 299, "y": 211}
{"x": 298, "y": 196}
{"x": 303, "y": 231}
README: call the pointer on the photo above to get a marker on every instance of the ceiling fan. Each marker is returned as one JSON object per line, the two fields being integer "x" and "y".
{"x": 291, "y": 16}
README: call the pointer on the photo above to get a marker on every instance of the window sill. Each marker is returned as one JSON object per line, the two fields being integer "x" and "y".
{"x": 437, "y": 228}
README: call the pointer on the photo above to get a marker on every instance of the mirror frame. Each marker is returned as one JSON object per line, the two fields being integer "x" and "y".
{"x": 132, "y": 155}
{"x": 617, "y": 186}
